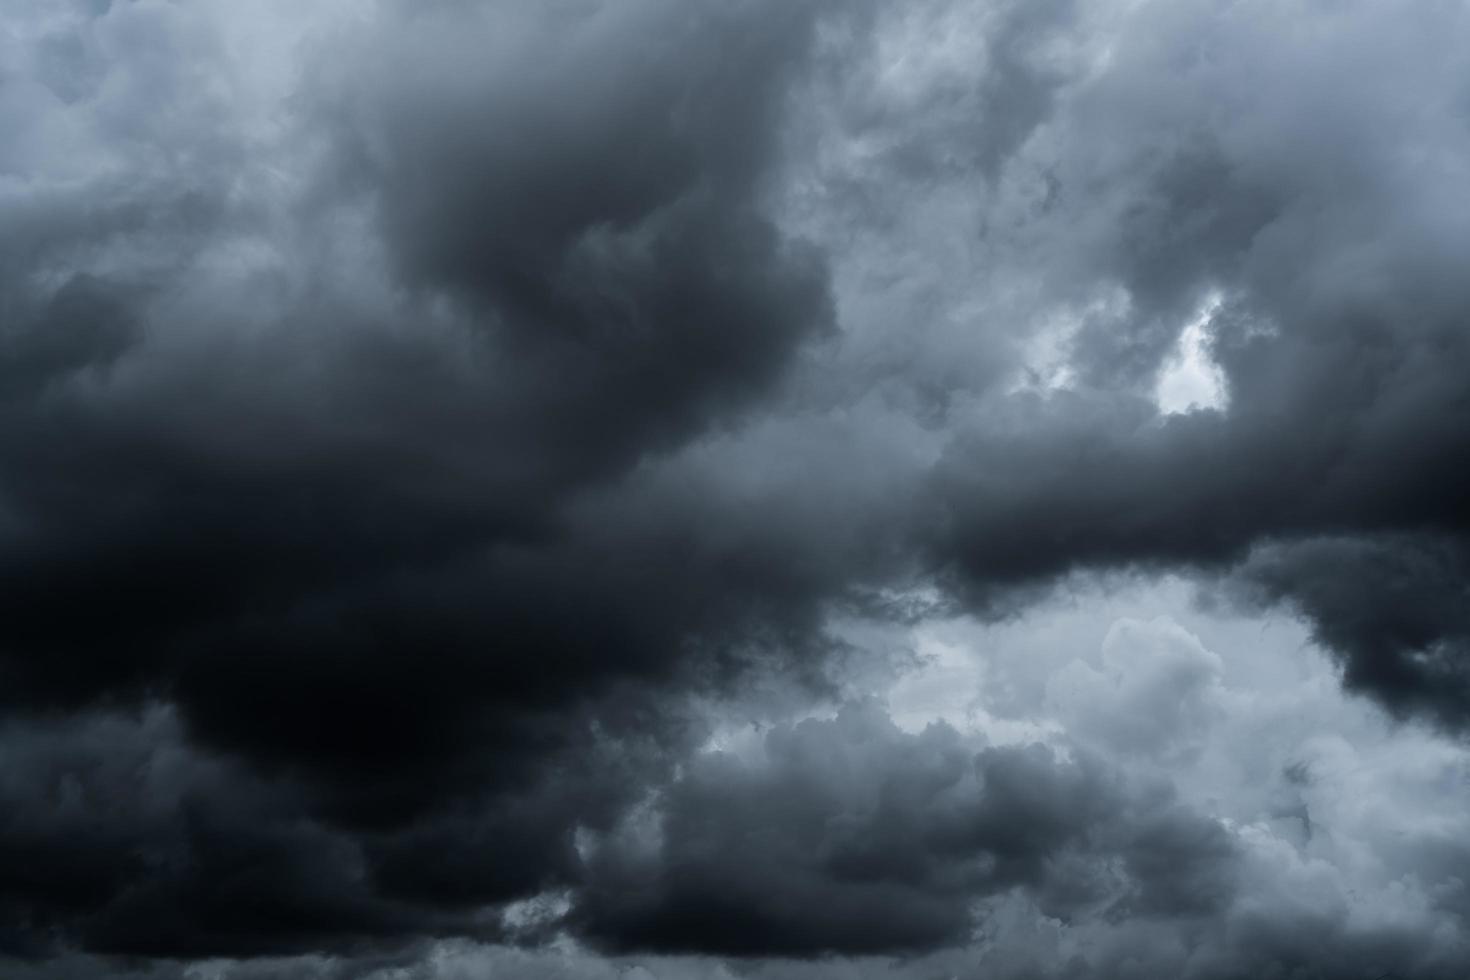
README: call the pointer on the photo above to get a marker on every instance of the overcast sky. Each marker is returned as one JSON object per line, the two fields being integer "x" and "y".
{"x": 713, "y": 489}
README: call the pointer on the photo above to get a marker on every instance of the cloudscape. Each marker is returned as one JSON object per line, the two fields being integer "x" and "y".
{"x": 713, "y": 489}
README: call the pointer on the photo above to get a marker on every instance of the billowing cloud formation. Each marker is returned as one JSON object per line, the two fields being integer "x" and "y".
{"x": 425, "y": 428}
{"x": 855, "y": 836}
{"x": 1226, "y": 151}
{"x": 328, "y": 520}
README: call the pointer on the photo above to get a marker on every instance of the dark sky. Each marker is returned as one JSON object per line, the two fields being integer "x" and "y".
{"x": 696, "y": 489}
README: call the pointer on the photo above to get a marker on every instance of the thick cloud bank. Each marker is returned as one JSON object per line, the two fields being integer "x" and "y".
{"x": 807, "y": 488}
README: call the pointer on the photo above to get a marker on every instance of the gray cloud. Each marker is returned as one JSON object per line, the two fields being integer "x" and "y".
{"x": 1240, "y": 171}
{"x": 328, "y": 521}
{"x": 853, "y": 836}
{"x": 423, "y": 426}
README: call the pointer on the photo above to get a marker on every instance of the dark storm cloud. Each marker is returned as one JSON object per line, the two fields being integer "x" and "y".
{"x": 393, "y": 453}
{"x": 855, "y": 837}
{"x": 120, "y": 837}
{"x": 330, "y": 525}
{"x": 1396, "y": 606}
{"x": 590, "y": 196}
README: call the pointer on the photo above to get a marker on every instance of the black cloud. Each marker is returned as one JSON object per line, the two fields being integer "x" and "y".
{"x": 338, "y": 538}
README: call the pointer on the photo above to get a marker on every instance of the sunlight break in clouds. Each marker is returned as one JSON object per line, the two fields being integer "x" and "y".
{"x": 1190, "y": 379}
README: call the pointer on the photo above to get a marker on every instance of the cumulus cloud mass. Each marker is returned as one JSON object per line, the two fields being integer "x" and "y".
{"x": 697, "y": 489}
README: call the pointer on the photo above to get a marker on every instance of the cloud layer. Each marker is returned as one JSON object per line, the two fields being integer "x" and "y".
{"x": 544, "y": 487}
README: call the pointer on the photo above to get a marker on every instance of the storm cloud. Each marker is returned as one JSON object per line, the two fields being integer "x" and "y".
{"x": 574, "y": 487}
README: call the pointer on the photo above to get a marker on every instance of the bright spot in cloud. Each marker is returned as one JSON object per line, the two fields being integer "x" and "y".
{"x": 1190, "y": 379}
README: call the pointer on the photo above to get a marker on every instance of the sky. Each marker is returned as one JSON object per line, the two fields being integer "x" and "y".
{"x": 734, "y": 489}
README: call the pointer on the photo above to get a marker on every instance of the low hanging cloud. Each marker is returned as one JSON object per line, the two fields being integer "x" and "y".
{"x": 854, "y": 836}
{"x": 425, "y": 427}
